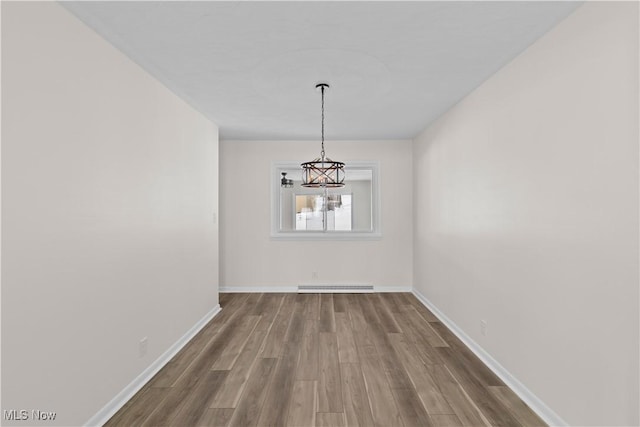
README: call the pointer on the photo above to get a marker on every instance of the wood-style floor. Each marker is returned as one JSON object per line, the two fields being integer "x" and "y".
{"x": 325, "y": 360}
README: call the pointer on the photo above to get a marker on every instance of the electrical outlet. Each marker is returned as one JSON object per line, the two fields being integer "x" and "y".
{"x": 142, "y": 348}
{"x": 483, "y": 327}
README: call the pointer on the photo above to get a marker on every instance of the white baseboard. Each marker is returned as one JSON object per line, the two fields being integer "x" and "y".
{"x": 382, "y": 289}
{"x": 103, "y": 415}
{"x": 315, "y": 288}
{"x": 294, "y": 289}
{"x": 537, "y": 405}
{"x": 258, "y": 289}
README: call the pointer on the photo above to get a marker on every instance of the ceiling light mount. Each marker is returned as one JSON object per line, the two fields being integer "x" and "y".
{"x": 322, "y": 86}
{"x": 322, "y": 172}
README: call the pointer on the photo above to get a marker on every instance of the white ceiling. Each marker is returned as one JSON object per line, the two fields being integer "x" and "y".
{"x": 251, "y": 67}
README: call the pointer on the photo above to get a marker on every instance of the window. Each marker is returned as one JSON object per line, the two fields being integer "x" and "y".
{"x": 350, "y": 212}
{"x": 312, "y": 215}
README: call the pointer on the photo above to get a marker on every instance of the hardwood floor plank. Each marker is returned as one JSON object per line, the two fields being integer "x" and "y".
{"x": 368, "y": 310}
{"x": 411, "y": 410}
{"x": 446, "y": 420}
{"x": 168, "y": 374}
{"x": 525, "y": 416}
{"x": 329, "y": 392}
{"x": 235, "y": 344}
{"x": 330, "y": 419}
{"x": 423, "y": 311}
{"x": 422, "y": 330}
{"x": 174, "y": 369}
{"x": 302, "y": 407}
{"x": 358, "y": 322}
{"x": 269, "y": 306}
{"x": 275, "y": 409}
{"x": 257, "y": 308}
{"x": 466, "y": 357}
{"x": 327, "y": 320}
{"x": 396, "y": 374}
{"x": 274, "y": 343}
{"x": 340, "y": 303}
{"x": 248, "y": 411}
{"x": 428, "y": 354}
{"x": 347, "y": 350}
{"x": 468, "y": 368}
{"x": 383, "y": 408}
{"x": 138, "y": 408}
{"x": 227, "y": 300}
{"x": 312, "y": 307}
{"x": 387, "y": 320}
{"x": 462, "y": 405}
{"x": 237, "y": 378}
{"x": 269, "y": 311}
{"x": 207, "y": 356}
{"x": 229, "y": 310}
{"x": 430, "y": 396}
{"x": 477, "y": 390}
{"x": 307, "y": 368}
{"x": 252, "y": 303}
{"x": 197, "y": 402}
{"x": 402, "y": 300}
{"x": 216, "y": 417}
{"x": 223, "y": 297}
{"x": 276, "y": 405}
{"x": 390, "y": 300}
{"x": 168, "y": 408}
{"x": 354, "y": 396}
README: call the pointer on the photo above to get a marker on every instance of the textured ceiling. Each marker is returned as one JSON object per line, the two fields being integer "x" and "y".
{"x": 251, "y": 67}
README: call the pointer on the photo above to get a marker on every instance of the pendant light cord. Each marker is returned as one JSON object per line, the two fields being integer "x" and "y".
{"x": 322, "y": 151}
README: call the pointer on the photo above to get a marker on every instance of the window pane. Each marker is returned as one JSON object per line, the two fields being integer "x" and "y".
{"x": 311, "y": 214}
{"x": 343, "y": 214}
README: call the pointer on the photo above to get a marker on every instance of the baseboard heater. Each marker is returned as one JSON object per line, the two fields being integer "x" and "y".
{"x": 334, "y": 289}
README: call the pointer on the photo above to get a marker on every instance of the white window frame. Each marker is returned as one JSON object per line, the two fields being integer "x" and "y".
{"x": 374, "y": 234}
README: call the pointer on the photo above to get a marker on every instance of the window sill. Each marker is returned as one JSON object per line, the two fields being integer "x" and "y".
{"x": 326, "y": 235}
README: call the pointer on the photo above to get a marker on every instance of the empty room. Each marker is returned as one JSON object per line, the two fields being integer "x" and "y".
{"x": 316, "y": 213}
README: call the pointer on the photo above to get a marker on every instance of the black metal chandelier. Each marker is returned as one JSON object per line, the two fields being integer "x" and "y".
{"x": 322, "y": 172}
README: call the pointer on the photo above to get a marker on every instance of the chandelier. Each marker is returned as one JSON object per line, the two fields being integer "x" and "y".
{"x": 322, "y": 172}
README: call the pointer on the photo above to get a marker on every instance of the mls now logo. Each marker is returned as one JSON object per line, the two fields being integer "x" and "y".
{"x": 23, "y": 415}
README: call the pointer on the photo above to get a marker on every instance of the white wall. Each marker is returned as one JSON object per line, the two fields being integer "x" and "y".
{"x": 526, "y": 215}
{"x": 249, "y": 258}
{"x": 109, "y": 185}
